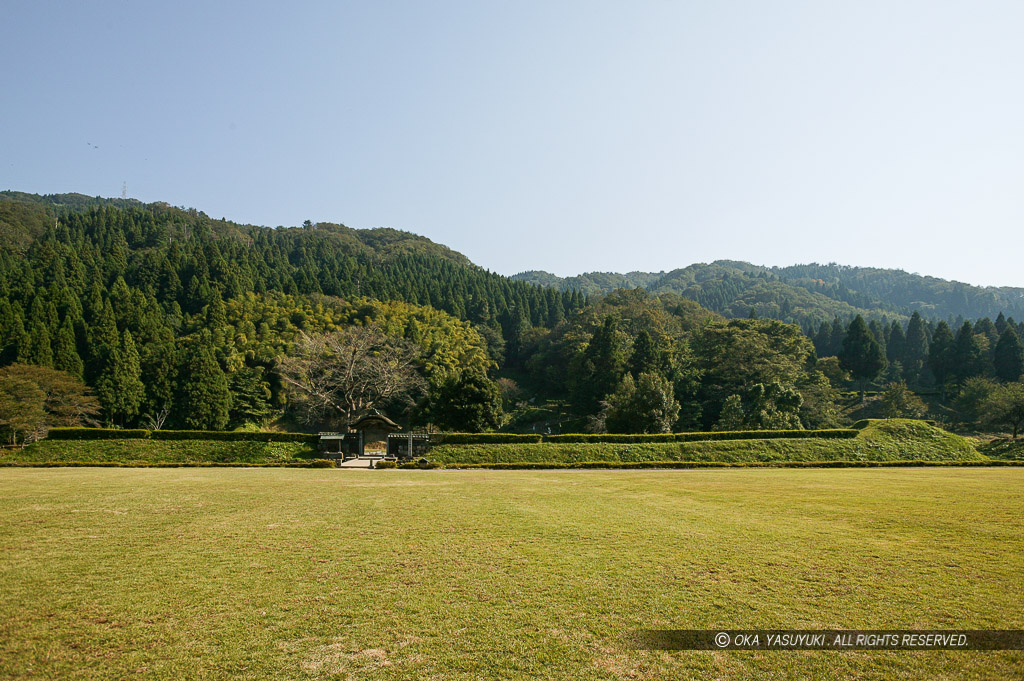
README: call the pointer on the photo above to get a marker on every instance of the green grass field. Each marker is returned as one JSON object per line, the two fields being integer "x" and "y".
{"x": 323, "y": 574}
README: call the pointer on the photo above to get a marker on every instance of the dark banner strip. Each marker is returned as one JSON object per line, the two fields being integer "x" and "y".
{"x": 828, "y": 639}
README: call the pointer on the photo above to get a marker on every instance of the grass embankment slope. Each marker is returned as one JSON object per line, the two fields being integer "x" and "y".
{"x": 1007, "y": 449}
{"x": 138, "y": 451}
{"x": 881, "y": 440}
{"x": 304, "y": 574}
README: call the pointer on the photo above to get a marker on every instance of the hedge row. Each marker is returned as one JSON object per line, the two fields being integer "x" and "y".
{"x": 233, "y": 436}
{"x": 327, "y": 463}
{"x": 834, "y": 433}
{"x": 315, "y": 463}
{"x": 482, "y": 438}
{"x": 141, "y": 434}
{"x": 97, "y": 434}
{"x": 540, "y": 465}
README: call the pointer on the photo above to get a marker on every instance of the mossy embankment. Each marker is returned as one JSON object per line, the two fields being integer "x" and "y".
{"x": 878, "y": 440}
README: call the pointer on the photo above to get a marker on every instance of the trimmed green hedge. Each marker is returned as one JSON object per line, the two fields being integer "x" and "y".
{"x": 534, "y": 465}
{"x": 531, "y": 465}
{"x": 482, "y": 438}
{"x": 837, "y": 433}
{"x": 579, "y": 438}
{"x": 97, "y": 434}
{"x": 160, "y": 464}
{"x": 141, "y": 434}
{"x": 164, "y": 451}
{"x": 233, "y": 436}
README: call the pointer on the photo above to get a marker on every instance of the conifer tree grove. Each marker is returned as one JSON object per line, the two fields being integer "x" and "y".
{"x": 1009, "y": 356}
{"x": 861, "y": 355}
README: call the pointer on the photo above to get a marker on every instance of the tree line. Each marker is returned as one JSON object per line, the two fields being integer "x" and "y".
{"x": 163, "y": 317}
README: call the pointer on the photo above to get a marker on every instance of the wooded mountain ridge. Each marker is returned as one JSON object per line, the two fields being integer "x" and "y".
{"x": 804, "y": 294}
{"x": 172, "y": 318}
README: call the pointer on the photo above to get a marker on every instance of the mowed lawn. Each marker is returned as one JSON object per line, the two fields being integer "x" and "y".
{"x": 294, "y": 574}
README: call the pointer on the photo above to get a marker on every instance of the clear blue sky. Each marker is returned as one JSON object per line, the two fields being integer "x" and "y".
{"x": 557, "y": 135}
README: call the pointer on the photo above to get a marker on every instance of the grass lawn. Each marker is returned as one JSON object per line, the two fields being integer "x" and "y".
{"x": 294, "y": 574}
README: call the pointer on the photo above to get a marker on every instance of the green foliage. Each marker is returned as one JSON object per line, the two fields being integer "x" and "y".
{"x": 204, "y": 399}
{"x": 898, "y": 401}
{"x": 385, "y": 463}
{"x": 915, "y": 352}
{"x": 65, "y": 352}
{"x": 1008, "y": 358}
{"x": 421, "y": 465}
{"x": 733, "y": 414}
{"x": 323, "y": 463}
{"x": 163, "y": 275}
{"x": 941, "y": 354}
{"x": 969, "y": 354}
{"x": 119, "y": 386}
{"x": 1005, "y": 406}
{"x": 735, "y": 356}
{"x": 21, "y": 409}
{"x": 818, "y": 405}
{"x": 805, "y": 294}
{"x": 600, "y": 365}
{"x": 774, "y": 407}
{"x": 1004, "y": 449}
{"x": 250, "y": 396}
{"x": 970, "y": 403}
{"x": 861, "y": 355}
{"x": 470, "y": 401}
{"x": 646, "y": 405}
{"x": 34, "y": 399}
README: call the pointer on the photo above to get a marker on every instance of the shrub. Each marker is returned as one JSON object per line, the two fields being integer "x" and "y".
{"x": 385, "y": 463}
{"x": 97, "y": 434}
{"x": 482, "y": 438}
{"x": 429, "y": 465}
{"x": 321, "y": 463}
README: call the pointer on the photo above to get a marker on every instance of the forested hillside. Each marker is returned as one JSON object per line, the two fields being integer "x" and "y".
{"x": 155, "y": 306}
{"x": 132, "y": 315}
{"x": 807, "y": 294}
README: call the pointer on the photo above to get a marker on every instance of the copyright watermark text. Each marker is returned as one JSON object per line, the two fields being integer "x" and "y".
{"x": 831, "y": 639}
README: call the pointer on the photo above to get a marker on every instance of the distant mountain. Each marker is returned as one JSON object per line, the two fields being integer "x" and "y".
{"x": 24, "y": 217}
{"x": 592, "y": 282}
{"x": 210, "y": 258}
{"x": 805, "y": 294}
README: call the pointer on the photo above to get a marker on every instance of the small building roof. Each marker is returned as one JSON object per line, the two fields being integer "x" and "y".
{"x": 377, "y": 421}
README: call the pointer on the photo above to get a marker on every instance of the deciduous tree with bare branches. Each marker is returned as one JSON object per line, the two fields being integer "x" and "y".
{"x": 344, "y": 375}
{"x": 34, "y": 399}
